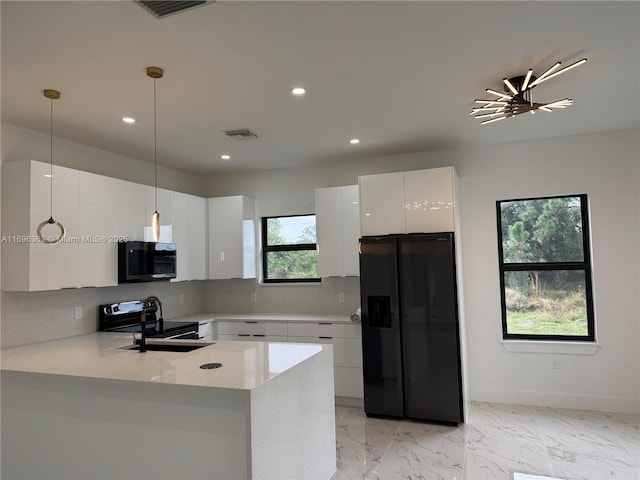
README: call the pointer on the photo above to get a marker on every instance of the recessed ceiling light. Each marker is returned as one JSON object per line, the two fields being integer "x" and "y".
{"x": 128, "y": 120}
{"x": 225, "y": 157}
{"x": 354, "y": 141}
{"x": 298, "y": 91}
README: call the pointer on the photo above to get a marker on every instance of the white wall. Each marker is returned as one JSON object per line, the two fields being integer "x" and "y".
{"x": 19, "y": 143}
{"x": 604, "y": 165}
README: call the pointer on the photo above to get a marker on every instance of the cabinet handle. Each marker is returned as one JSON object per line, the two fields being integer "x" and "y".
{"x": 250, "y": 322}
{"x": 244, "y": 335}
{"x": 259, "y": 335}
{"x": 325, "y": 323}
{"x": 328, "y": 338}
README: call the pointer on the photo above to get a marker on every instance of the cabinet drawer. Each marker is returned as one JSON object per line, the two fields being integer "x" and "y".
{"x": 253, "y": 338}
{"x": 347, "y": 352}
{"x": 348, "y": 382}
{"x": 321, "y": 329}
{"x": 252, "y": 328}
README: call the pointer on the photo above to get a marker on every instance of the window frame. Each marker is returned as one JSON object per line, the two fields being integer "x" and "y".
{"x": 584, "y": 265}
{"x": 284, "y": 248}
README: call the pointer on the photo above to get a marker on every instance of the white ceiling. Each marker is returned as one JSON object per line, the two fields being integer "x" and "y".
{"x": 401, "y": 76}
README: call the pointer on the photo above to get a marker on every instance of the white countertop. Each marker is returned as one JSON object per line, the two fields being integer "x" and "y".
{"x": 246, "y": 365}
{"x": 275, "y": 317}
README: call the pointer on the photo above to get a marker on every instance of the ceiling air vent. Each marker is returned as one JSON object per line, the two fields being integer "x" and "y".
{"x": 162, "y": 8}
{"x": 241, "y": 134}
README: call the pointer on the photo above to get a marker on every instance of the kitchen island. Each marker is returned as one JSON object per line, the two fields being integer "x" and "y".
{"x": 88, "y": 407}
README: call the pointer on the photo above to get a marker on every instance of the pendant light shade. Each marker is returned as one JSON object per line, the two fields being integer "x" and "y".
{"x": 51, "y": 95}
{"x": 155, "y": 73}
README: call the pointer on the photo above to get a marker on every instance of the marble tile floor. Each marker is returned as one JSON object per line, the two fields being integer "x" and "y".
{"x": 501, "y": 442}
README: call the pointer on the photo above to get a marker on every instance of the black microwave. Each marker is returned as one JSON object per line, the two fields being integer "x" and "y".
{"x": 146, "y": 261}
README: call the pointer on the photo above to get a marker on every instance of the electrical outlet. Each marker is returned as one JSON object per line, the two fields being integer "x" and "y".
{"x": 341, "y": 297}
{"x": 181, "y": 299}
{"x": 555, "y": 362}
{"x": 78, "y": 312}
{"x": 254, "y": 297}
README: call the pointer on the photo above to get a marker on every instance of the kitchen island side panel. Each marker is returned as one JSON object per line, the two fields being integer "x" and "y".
{"x": 295, "y": 413}
{"x": 77, "y": 428}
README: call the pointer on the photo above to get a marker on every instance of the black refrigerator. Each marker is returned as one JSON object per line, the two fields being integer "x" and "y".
{"x": 410, "y": 330}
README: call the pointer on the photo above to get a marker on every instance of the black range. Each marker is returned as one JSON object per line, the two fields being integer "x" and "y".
{"x": 127, "y": 317}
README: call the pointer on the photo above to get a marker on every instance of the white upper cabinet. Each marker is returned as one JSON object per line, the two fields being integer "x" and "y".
{"x": 420, "y": 201}
{"x": 180, "y": 234}
{"x": 197, "y": 237}
{"x": 382, "y": 204}
{"x": 132, "y": 210}
{"x": 97, "y": 212}
{"x": 337, "y": 231}
{"x": 350, "y": 230}
{"x": 232, "y": 237}
{"x": 429, "y": 200}
{"x": 27, "y": 264}
{"x": 188, "y": 224}
{"x": 98, "y": 225}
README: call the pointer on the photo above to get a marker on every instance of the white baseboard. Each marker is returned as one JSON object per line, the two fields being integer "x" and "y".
{"x": 350, "y": 401}
{"x": 535, "y": 398}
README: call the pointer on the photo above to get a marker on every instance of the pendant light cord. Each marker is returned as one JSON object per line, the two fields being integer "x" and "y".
{"x": 51, "y": 159}
{"x": 155, "y": 142}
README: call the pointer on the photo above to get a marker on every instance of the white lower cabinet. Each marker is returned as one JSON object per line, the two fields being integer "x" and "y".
{"x": 252, "y": 328}
{"x": 245, "y": 337}
{"x": 348, "y": 382}
{"x": 344, "y": 337}
{"x": 347, "y": 352}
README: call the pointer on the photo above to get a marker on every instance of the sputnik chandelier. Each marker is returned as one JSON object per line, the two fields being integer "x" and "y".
{"x": 517, "y": 98}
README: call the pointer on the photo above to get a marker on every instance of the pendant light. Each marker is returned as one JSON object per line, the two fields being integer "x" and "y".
{"x": 51, "y": 95}
{"x": 517, "y": 98}
{"x": 155, "y": 73}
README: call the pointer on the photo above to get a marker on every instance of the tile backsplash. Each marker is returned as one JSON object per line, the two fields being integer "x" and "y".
{"x": 29, "y": 317}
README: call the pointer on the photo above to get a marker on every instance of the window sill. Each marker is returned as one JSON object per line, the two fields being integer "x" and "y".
{"x": 539, "y": 346}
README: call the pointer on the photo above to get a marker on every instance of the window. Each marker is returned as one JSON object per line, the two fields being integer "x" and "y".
{"x": 545, "y": 269}
{"x": 289, "y": 249}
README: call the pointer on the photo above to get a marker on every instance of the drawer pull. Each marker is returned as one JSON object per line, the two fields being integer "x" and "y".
{"x": 257, "y": 335}
{"x": 250, "y": 321}
{"x": 325, "y": 323}
{"x": 328, "y": 338}
{"x": 244, "y": 335}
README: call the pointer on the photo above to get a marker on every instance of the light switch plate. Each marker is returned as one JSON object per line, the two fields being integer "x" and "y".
{"x": 78, "y": 312}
